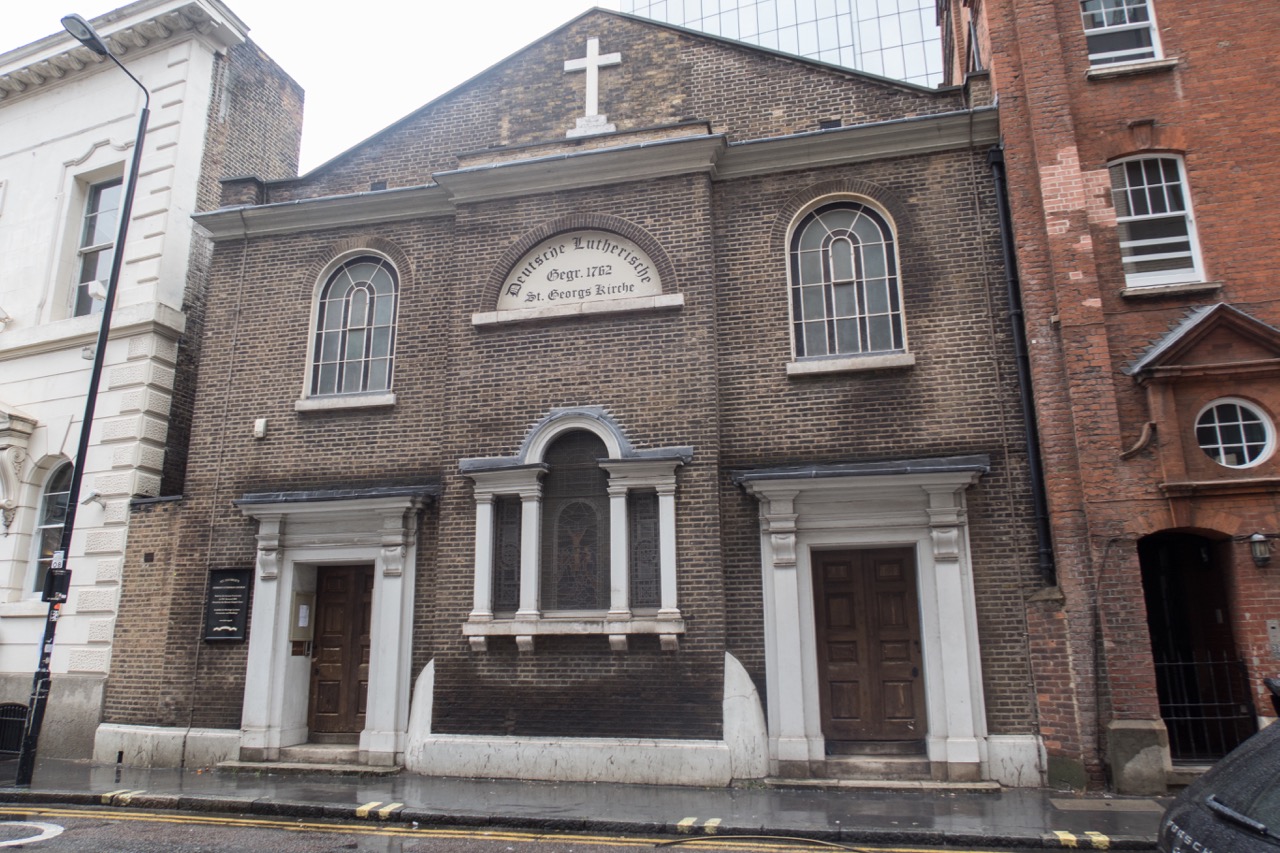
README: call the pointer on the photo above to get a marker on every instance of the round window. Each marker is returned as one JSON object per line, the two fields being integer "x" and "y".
{"x": 1235, "y": 433}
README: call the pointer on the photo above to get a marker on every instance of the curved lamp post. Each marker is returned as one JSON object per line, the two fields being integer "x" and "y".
{"x": 57, "y": 580}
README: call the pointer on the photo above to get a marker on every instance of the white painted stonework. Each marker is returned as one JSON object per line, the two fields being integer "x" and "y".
{"x": 921, "y": 511}
{"x": 579, "y": 267}
{"x": 294, "y": 538}
{"x": 742, "y": 754}
{"x": 68, "y": 119}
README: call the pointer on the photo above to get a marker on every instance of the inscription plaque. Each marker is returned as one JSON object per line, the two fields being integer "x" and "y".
{"x": 227, "y": 605}
{"x": 577, "y": 267}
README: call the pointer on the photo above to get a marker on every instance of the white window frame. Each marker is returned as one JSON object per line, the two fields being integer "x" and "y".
{"x": 1119, "y": 58}
{"x": 804, "y": 363}
{"x": 522, "y": 477}
{"x": 33, "y": 584}
{"x": 1192, "y": 273}
{"x": 311, "y": 400}
{"x": 1249, "y": 406}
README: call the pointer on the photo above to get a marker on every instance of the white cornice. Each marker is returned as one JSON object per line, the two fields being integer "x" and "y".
{"x": 138, "y": 27}
{"x": 83, "y": 331}
{"x": 898, "y": 138}
{"x": 600, "y": 167}
{"x": 708, "y": 154}
{"x": 231, "y": 223}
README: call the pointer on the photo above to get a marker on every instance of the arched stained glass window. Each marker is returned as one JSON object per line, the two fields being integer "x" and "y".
{"x": 575, "y": 524}
{"x": 355, "y": 329}
{"x": 844, "y": 283}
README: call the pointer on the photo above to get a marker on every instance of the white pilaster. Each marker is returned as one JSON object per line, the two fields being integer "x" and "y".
{"x": 619, "y": 554}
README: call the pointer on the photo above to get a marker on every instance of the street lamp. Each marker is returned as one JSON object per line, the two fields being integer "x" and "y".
{"x": 57, "y": 579}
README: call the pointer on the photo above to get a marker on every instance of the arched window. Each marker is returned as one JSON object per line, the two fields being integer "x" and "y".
{"x": 49, "y": 523}
{"x": 355, "y": 329}
{"x": 575, "y": 524}
{"x": 844, "y": 283}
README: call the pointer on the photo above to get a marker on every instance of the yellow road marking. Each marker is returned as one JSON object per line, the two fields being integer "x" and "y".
{"x": 1100, "y": 841}
{"x": 712, "y": 825}
{"x": 386, "y": 811}
{"x": 388, "y": 830}
{"x": 106, "y": 798}
{"x": 364, "y": 810}
{"x": 1066, "y": 838}
{"x": 686, "y": 825}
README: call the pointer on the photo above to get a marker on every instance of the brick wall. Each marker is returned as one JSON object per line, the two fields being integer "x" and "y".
{"x": 710, "y": 375}
{"x": 1062, "y": 126}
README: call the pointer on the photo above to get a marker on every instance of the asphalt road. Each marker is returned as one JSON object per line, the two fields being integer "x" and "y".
{"x": 89, "y": 830}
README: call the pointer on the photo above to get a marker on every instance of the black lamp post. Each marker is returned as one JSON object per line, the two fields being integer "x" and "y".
{"x": 57, "y": 580}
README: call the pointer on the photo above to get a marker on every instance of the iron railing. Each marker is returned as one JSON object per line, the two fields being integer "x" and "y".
{"x": 1206, "y": 705}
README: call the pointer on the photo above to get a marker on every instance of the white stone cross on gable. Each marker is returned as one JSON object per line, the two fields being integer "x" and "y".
{"x": 592, "y": 122}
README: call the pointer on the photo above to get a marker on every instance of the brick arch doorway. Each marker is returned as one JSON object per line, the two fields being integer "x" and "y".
{"x": 1201, "y": 680}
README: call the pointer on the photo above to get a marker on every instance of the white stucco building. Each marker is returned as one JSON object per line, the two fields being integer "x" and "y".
{"x": 68, "y": 120}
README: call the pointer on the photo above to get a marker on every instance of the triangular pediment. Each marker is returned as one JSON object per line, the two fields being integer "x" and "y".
{"x": 605, "y": 73}
{"x": 1212, "y": 336}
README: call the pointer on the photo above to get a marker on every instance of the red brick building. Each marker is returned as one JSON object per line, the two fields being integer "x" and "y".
{"x": 643, "y": 409}
{"x": 1139, "y": 153}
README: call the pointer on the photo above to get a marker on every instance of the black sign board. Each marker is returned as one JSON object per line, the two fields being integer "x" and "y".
{"x": 226, "y": 612}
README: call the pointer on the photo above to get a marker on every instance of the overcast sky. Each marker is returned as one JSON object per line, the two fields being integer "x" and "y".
{"x": 363, "y": 63}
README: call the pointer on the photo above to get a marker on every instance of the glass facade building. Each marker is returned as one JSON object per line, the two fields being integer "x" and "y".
{"x": 892, "y": 38}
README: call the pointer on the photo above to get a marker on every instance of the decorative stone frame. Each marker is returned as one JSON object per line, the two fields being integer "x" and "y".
{"x": 668, "y": 299}
{"x": 521, "y": 475}
{"x": 914, "y": 503}
{"x": 298, "y": 531}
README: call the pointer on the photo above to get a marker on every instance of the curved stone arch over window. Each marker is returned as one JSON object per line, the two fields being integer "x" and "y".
{"x": 844, "y": 286}
{"x": 579, "y": 222}
{"x": 575, "y": 534}
{"x": 351, "y": 359}
{"x": 1235, "y": 433}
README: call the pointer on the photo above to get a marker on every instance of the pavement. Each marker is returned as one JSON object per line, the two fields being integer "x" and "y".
{"x": 982, "y": 816}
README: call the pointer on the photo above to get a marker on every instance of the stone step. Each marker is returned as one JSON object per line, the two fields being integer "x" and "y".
{"x": 906, "y": 768}
{"x": 320, "y": 753}
{"x": 294, "y": 768}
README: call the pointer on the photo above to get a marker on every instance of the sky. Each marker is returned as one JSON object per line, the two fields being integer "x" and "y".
{"x": 361, "y": 72}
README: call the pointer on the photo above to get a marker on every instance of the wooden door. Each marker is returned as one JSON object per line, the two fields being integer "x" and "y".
{"x": 340, "y": 652}
{"x": 868, "y": 632}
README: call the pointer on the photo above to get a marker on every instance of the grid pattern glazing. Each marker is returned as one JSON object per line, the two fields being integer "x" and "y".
{"x": 53, "y": 515}
{"x": 1233, "y": 434}
{"x": 1118, "y": 31}
{"x": 844, "y": 283}
{"x": 97, "y": 244}
{"x": 1153, "y": 218}
{"x": 892, "y": 38}
{"x": 355, "y": 335}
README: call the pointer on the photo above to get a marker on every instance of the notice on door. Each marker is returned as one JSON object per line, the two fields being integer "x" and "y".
{"x": 227, "y": 605}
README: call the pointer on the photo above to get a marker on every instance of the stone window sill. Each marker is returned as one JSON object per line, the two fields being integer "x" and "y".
{"x": 850, "y": 363}
{"x": 668, "y": 627}
{"x": 579, "y": 309}
{"x": 1127, "y": 69}
{"x": 27, "y": 608}
{"x": 1179, "y": 289}
{"x": 345, "y": 401}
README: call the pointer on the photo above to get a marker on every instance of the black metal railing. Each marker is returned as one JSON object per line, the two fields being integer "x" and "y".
{"x": 1207, "y": 706}
{"x": 13, "y": 719}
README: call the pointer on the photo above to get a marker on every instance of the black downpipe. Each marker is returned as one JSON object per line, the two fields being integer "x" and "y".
{"x": 1044, "y": 540}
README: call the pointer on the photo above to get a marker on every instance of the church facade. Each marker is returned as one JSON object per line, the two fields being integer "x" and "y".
{"x": 644, "y": 409}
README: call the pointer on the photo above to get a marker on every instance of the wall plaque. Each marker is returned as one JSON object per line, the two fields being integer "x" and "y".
{"x": 578, "y": 267}
{"x": 226, "y": 612}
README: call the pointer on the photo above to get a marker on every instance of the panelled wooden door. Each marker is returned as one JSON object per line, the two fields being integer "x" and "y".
{"x": 868, "y": 633}
{"x": 340, "y": 652}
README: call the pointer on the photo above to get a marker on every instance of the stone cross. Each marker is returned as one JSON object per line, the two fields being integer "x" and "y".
{"x": 592, "y": 122}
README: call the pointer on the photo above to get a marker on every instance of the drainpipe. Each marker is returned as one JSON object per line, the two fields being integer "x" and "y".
{"x": 1044, "y": 541}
